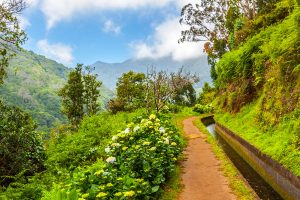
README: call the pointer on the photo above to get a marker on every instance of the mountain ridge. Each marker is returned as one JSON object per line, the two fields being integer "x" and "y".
{"x": 109, "y": 72}
{"x": 33, "y": 81}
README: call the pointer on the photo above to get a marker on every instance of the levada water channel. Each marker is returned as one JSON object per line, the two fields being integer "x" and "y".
{"x": 263, "y": 190}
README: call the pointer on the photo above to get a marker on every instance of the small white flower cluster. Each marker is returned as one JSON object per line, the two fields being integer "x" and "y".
{"x": 114, "y": 138}
{"x": 115, "y": 144}
{"x": 127, "y": 130}
{"x": 162, "y": 130}
{"x": 111, "y": 159}
{"x": 166, "y": 140}
{"x": 128, "y": 134}
{"x": 136, "y": 128}
{"x": 107, "y": 150}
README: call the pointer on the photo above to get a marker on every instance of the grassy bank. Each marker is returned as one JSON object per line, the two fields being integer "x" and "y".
{"x": 236, "y": 183}
{"x": 278, "y": 141}
{"x": 75, "y": 160}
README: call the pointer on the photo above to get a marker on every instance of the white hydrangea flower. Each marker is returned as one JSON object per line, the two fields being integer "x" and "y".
{"x": 127, "y": 130}
{"x": 107, "y": 150}
{"x": 162, "y": 130}
{"x": 114, "y": 138}
{"x": 111, "y": 159}
{"x": 105, "y": 173}
{"x": 136, "y": 129}
{"x": 167, "y": 141}
{"x": 115, "y": 144}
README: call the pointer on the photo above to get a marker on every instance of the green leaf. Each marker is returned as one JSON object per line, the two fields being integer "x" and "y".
{"x": 155, "y": 189}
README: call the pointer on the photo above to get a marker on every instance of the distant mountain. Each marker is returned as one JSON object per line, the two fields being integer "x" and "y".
{"x": 32, "y": 84}
{"x": 33, "y": 81}
{"x": 110, "y": 72}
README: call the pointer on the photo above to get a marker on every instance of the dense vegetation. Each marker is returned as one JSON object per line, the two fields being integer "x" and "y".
{"x": 80, "y": 95}
{"x": 11, "y": 34}
{"x": 257, "y": 84}
{"x": 138, "y": 160}
{"x": 21, "y": 147}
{"x": 154, "y": 90}
{"x": 129, "y": 153}
{"x": 88, "y": 162}
{"x": 32, "y": 83}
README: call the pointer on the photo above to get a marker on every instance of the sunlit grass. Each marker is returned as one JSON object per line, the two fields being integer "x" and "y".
{"x": 276, "y": 141}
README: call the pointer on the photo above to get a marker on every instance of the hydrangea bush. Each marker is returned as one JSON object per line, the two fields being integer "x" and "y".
{"x": 199, "y": 108}
{"x": 138, "y": 161}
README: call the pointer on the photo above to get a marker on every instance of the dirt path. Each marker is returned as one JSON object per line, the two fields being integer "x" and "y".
{"x": 202, "y": 178}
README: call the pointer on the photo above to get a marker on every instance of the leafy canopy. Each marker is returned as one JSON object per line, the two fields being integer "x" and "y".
{"x": 20, "y": 146}
{"x": 11, "y": 35}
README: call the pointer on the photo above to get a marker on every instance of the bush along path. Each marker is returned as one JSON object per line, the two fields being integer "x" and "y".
{"x": 138, "y": 161}
{"x": 202, "y": 178}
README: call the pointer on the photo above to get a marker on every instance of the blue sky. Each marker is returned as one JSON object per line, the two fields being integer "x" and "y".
{"x": 86, "y": 31}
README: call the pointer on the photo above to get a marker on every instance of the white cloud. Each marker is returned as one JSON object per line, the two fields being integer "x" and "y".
{"x": 55, "y": 11}
{"x": 60, "y": 52}
{"x": 110, "y": 26}
{"x": 24, "y": 22}
{"x": 32, "y": 3}
{"x": 164, "y": 42}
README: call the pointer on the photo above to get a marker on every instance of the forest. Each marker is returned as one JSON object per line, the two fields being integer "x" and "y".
{"x": 66, "y": 142}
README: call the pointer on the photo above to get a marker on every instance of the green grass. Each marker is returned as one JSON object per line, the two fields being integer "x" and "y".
{"x": 236, "y": 183}
{"x": 279, "y": 141}
{"x": 173, "y": 186}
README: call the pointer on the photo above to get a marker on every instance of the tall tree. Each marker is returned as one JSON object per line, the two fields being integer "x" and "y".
{"x": 130, "y": 89}
{"x": 158, "y": 91}
{"x": 214, "y": 21}
{"x": 73, "y": 96}
{"x": 91, "y": 91}
{"x": 11, "y": 35}
{"x": 163, "y": 88}
{"x": 130, "y": 92}
{"x": 183, "y": 90}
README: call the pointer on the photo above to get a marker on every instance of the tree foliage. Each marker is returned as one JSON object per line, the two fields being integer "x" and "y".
{"x": 154, "y": 90}
{"x": 163, "y": 88}
{"x": 184, "y": 92}
{"x": 72, "y": 96}
{"x": 11, "y": 35}
{"x": 225, "y": 25}
{"x": 21, "y": 150}
{"x": 91, "y": 91}
{"x": 80, "y": 92}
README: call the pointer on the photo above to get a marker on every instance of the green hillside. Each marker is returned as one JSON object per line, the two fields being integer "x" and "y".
{"x": 32, "y": 84}
{"x": 258, "y": 85}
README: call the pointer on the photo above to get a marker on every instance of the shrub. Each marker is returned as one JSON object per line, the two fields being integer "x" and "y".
{"x": 84, "y": 147}
{"x": 20, "y": 146}
{"x": 116, "y": 105}
{"x": 138, "y": 160}
{"x": 199, "y": 108}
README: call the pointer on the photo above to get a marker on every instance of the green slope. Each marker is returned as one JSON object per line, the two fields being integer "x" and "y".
{"x": 32, "y": 84}
{"x": 258, "y": 88}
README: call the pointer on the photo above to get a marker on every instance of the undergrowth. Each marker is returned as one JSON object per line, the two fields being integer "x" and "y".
{"x": 281, "y": 141}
